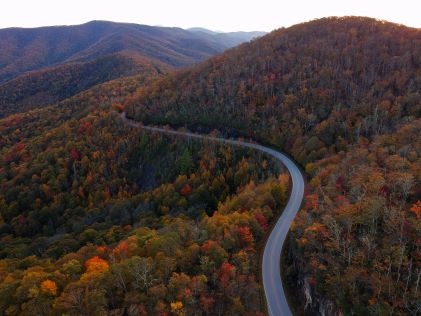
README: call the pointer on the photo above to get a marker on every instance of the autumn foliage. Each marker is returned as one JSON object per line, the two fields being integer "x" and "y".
{"x": 180, "y": 241}
{"x": 98, "y": 218}
{"x": 49, "y": 287}
{"x": 96, "y": 265}
{"x": 416, "y": 209}
{"x": 341, "y": 96}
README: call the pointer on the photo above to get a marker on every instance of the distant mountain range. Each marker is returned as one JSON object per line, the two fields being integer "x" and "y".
{"x": 45, "y": 65}
{"x": 23, "y": 50}
{"x": 230, "y": 39}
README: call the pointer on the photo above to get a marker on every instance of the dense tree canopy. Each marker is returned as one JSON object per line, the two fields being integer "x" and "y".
{"x": 96, "y": 216}
{"x": 49, "y": 86}
{"x": 342, "y": 96}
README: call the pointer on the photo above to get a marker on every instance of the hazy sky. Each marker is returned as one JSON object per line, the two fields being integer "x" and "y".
{"x": 224, "y": 15}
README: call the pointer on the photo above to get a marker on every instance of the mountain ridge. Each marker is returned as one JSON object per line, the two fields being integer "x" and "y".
{"x": 28, "y": 49}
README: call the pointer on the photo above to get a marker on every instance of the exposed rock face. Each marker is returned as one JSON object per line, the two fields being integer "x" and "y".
{"x": 307, "y": 294}
{"x": 303, "y": 295}
{"x": 315, "y": 304}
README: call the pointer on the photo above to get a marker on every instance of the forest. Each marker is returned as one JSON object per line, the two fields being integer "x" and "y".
{"x": 97, "y": 218}
{"x": 342, "y": 96}
{"x": 52, "y": 85}
{"x": 93, "y": 222}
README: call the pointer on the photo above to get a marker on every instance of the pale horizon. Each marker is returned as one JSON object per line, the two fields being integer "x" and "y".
{"x": 217, "y": 15}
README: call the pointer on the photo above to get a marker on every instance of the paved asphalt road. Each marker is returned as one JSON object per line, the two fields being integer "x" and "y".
{"x": 275, "y": 295}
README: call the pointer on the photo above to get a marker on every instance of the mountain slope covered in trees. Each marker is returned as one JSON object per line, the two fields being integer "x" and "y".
{"x": 51, "y": 85}
{"x": 87, "y": 203}
{"x": 97, "y": 217}
{"x": 342, "y": 96}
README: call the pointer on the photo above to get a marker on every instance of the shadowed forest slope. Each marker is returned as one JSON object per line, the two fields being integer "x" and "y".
{"x": 49, "y": 86}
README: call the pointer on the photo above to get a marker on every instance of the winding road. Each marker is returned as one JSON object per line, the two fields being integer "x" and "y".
{"x": 272, "y": 283}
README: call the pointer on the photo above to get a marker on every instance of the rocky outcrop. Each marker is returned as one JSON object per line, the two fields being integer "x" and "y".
{"x": 302, "y": 294}
{"x": 315, "y": 304}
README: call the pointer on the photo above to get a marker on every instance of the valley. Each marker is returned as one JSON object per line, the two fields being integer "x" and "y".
{"x": 275, "y": 296}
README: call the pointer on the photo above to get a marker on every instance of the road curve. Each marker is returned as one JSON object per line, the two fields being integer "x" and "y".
{"x": 272, "y": 283}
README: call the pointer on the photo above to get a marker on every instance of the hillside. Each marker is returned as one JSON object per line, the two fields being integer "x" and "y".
{"x": 342, "y": 96}
{"x": 23, "y": 50}
{"x": 24, "y": 127}
{"x": 319, "y": 67}
{"x": 86, "y": 201}
{"x": 51, "y": 85}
